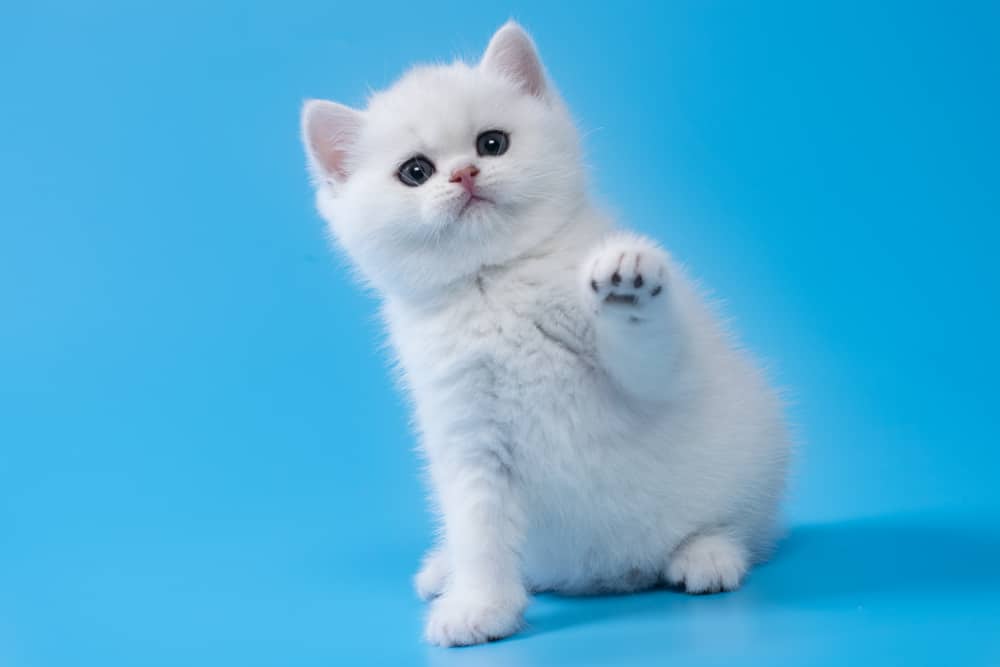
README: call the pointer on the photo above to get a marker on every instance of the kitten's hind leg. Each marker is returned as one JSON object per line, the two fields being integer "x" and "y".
{"x": 708, "y": 563}
{"x": 433, "y": 575}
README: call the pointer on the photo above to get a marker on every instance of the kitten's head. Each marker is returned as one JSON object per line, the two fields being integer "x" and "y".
{"x": 451, "y": 169}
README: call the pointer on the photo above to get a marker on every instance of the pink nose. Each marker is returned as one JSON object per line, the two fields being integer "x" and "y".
{"x": 466, "y": 176}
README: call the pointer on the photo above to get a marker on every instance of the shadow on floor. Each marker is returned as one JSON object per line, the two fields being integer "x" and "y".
{"x": 845, "y": 563}
{"x": 916, "y": 555}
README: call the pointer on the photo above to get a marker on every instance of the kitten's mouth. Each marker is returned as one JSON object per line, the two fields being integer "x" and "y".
{"x": 473, "y": 201}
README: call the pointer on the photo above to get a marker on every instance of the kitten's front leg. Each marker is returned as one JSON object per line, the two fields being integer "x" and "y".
{"x": 626, "y": 286}
{"x": 484, "y": 597}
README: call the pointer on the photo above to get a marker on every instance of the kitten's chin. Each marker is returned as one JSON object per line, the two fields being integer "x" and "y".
{"x": 474, "y": 203}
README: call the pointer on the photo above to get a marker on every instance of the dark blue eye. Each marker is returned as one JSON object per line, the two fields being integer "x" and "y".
{"x": 415, "y": 171}
{"x": 492, "y": 142}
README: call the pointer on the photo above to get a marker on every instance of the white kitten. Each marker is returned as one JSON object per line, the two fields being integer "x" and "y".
{"x": 589, "y": 425}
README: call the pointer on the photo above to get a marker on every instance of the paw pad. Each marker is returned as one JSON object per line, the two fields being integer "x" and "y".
{"x": 627, "y": 274}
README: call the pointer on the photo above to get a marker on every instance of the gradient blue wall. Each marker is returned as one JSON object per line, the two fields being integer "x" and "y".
{"x": 204, "y": 460}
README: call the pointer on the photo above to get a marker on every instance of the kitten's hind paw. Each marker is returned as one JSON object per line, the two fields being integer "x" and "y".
{"x": 707, "y": 564}
{"x": 433, "y": 575}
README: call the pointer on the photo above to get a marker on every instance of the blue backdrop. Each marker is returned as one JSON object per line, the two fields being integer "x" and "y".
{"x": 203, "y": 460}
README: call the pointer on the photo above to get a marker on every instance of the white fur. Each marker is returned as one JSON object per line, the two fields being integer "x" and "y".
{"x": 574, "y": 443}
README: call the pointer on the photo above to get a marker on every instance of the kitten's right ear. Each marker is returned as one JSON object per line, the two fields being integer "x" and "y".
{"x": 329, "y": 132}
{"x": 512, "y": 53}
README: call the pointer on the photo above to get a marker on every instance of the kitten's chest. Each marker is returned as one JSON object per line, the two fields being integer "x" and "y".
{"x": 509, "y": 351}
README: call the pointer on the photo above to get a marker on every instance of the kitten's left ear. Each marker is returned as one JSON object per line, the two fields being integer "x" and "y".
{"x": 512, "y": 53}
{"x": 329, "y": 132}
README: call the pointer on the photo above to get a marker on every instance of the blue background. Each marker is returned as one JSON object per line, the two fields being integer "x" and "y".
{"x": 204, "y": 461}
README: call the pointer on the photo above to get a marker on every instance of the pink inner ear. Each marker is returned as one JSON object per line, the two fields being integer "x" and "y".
{"x": 329, "y": 131}
{"x": 331, "y": 158}
{"x": 527, "y": 69}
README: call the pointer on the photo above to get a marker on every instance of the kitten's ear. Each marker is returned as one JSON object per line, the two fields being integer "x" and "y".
{"x": 329, "y": 132}
{"x": 512, "y": 53}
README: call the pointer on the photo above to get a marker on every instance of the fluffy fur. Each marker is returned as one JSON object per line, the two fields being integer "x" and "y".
{"x": 589, "y": 425}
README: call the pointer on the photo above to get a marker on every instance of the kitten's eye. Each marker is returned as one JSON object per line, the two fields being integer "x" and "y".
{"x": 415, "y": 171}
{"x": 492, "y": 142}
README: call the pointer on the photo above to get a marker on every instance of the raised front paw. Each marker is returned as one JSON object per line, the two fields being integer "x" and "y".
{"x": 625, "y": 275}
